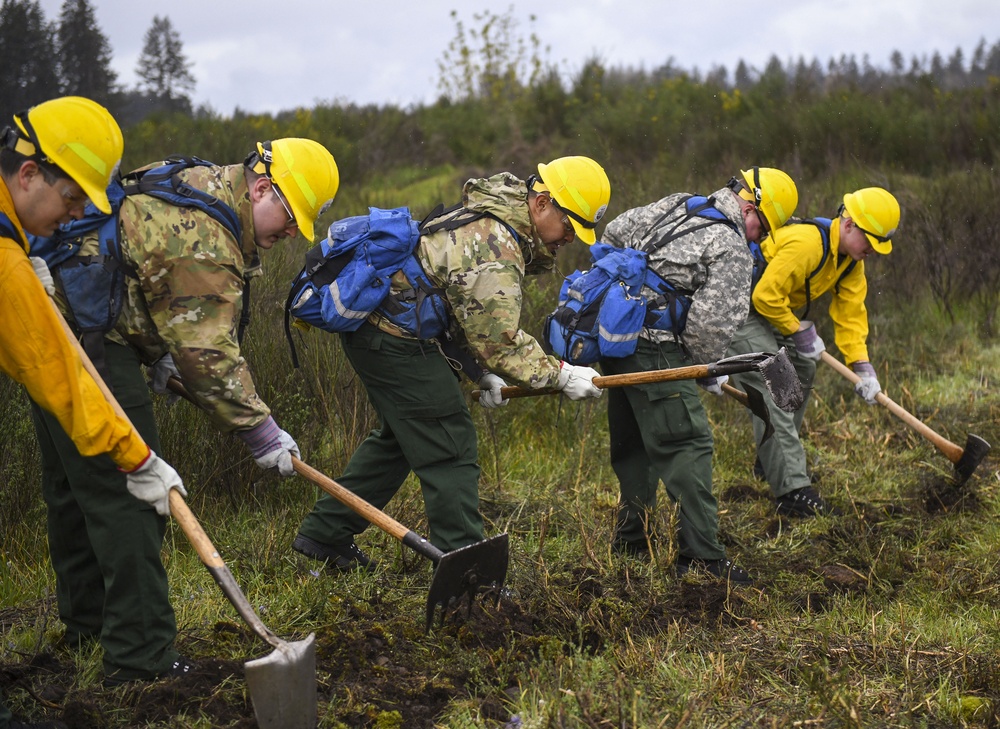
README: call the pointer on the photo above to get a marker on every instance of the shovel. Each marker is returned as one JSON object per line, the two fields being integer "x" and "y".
{"x": 779, "y": 377}
{"x": 966, "y": 460}
{"x": 282, "y": 683}
{"x": 457, "y": 573}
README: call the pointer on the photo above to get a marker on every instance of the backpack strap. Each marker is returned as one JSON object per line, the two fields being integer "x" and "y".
{"x": 457, "y": 216}
{"x": 823, "y": 225}
{"x": 695, "y": 207}
{"x": 7, "y": 227}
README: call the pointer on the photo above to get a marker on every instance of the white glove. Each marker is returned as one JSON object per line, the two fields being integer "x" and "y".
{"x": 713, "y": 384}
{"x": 489, "y": 391}
{"x": 151, "y": 482}
{"x": 271, "y": 446}
{"x": 808, "y": 342}
{"x": 868, "y": 386}
{"x": 161, "y": 371}
{"x": 44, "y": 274}
{"x": 578, "y": 382}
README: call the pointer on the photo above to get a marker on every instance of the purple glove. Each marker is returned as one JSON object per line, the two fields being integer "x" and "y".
{"x": 808, "y": 342}
{"x": 868, "y": 386}
{"x": 271, "y": 446}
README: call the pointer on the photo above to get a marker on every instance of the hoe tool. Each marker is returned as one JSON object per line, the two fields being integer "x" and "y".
{"x": 779, "y": 377}
{"x": 283, "y": 683}
{"x": 966, "y": 460}
{"x": 456, "y": 574}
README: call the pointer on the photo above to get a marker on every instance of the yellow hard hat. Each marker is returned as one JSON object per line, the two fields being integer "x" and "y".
{"x": 773, "y": 192}
{"x": 580, "y": 188}
{"x": 306, "y": 173}
{"x": 876, "y": 212}
{"x": 77, "y": 135}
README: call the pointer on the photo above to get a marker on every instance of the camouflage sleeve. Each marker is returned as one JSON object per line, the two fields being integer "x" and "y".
{"x": 483, "y": 272}
{"x": 190, "y": 271}
{"x": 720, "y": 305}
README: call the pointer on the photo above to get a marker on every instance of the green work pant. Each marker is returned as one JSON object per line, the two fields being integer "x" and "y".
{"x": 425, "y": 426}
{"x": 660, "y": 432}
{"x": 782, "y": 455}
{"x": 104, "y": 543}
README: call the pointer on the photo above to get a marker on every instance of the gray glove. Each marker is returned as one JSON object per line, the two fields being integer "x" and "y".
{"x": 489, "y": 391}
{"x": 713, "y": 384}
{"x": 44, "y": 274}
{"x": 271, "y": 446}
{"x": 151, "y": 482}
{"x": 808, "y": 342}
{"x": 161, "y": 371}
{"x": 868, "y": 386}
{"x": 578, "y": 382}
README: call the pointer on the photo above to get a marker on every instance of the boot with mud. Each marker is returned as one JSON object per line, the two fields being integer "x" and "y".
{"x": 724, "y": 569}
{"x": 344, "y": 557}
{"x": 804, "y": 502}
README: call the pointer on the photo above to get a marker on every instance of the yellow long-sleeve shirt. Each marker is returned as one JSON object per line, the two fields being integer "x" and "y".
{"x": 35, "y": 352}
{"x": 793, "y": 252}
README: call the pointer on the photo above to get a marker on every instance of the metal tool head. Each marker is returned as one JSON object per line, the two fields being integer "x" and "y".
{"x": 975, "y": 451}
{"x": 466, "y": 570}
{"x": 283, "y": 685}
{"x": 782, "y": 381}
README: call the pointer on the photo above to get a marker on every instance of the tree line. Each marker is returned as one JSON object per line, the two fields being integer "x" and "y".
{"x": 72, "y": 56}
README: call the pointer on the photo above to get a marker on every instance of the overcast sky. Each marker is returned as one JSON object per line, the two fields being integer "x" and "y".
{"x": 271, "y": 55}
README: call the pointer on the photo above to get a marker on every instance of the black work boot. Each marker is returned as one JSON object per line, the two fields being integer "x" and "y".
{"x": 345, "y": 557}
{"x": 804, "y": 502}
{"x": 724, "y": 569}
{"x": 181, "y": 667}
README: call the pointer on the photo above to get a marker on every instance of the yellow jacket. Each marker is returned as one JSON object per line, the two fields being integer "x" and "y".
{"x": 793, "y": 252}
{"x": 35, "y": 352}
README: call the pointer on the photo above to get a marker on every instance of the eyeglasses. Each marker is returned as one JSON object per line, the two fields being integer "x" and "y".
{"x": 567, "y": 225}
{"x": 763, "y": 222}
{"x": 291, "y": 218}
{"x": 879, "y": 238}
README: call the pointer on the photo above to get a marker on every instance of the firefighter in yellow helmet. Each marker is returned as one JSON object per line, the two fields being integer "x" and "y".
{"x": 53, "y": 158}
{"x": 477, "y": 256}
{"x": 804, "y": 261}
{"x": 699, "y": 246}
{"x": 183, "y": 313}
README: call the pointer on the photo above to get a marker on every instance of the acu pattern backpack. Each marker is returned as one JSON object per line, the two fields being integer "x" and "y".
{"x": 93, "y": 286}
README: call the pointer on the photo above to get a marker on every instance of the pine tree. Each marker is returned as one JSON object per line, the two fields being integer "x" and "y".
{"x": 84, "y": 53}
{"x": 163, "y": 68}
{"x": 27, "y": 57}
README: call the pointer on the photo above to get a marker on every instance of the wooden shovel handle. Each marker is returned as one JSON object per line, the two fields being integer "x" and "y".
{"x": 952, "y": 451}
{"x": 741, "y": 397}
{"x": 692, "y": 372}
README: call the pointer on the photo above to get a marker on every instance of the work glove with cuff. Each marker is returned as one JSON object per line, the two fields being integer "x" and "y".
{"x": 271, "y": 447}
{"x": 161, "y": 371}
{"x": 489, "y": 391}
{"x": 713, "y": 384}
{"x": 44, "y": 274}
{"x": 577, "y": 382}
{"x": 868, "y": 386}
{"x": 808, "y": 342}
{"x": 151, "y": 482}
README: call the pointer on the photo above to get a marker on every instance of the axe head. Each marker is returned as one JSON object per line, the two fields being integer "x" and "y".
{"x": 975, "y": 451}
{"x": 782, "y": 381}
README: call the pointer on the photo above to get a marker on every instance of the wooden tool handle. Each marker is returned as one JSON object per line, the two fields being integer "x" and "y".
{"x": 741, "y": 397}
{"x": 952, "y": 451}
{"x": 691, "y": 372}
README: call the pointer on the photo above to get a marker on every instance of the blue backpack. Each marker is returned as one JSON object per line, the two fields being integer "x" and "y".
{"x": 94, "y": 286}
{"x": 602, "y": 311}
{"x": 348, "y": 276}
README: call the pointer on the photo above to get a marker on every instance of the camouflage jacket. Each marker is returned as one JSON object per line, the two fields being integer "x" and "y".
{"x": 187, "y": 298}
{"x": 481, "y": 267}
{"x": 711, "y": 264}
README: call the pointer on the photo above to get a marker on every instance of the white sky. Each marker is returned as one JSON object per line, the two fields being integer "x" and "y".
{"x": 271, "y": 55}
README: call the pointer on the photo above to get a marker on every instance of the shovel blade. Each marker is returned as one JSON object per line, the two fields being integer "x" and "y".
{"x": 782, "y": 381}
{"x": 283, "y": 686}
{"x": 758, "y": 406}
{"x": 466, "y": 570}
